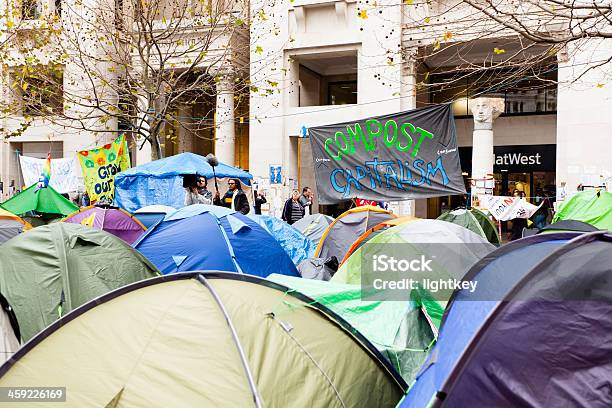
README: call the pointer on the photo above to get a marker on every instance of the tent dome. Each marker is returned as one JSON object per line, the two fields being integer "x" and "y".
{"x": 542, "y": 309}
{"x": 375, "y": 230}
{"x": 455, "y": 248}
{"x": 296, "y": 244}
{"x": 199, "y": 237}
{"x": 345, "y": 229}
{"x": 591, "y": 206}
{"x": 113, "y": 220}
{"x": 151, "y": 214}
{"x": 9, "y": 331}
{"x": 203, "y": 340}
{"x": 55, "y": 268}
{"x": 474, "y": 220}
{"x": 313, "y": 226}
{"x": 11, "y": 225}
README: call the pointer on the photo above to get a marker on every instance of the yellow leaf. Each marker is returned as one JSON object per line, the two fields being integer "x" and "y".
{"x": 24, "y": 86}
{"x": 408, "y": 2}
{"x": 498, "y": 50}
{"x": 427, "y": 20}
{"x": 363, "y": 14}
{"x": 600, "y": 85}
{"x": 436, "y": 45}
{"x": 448, "y": 35}
{"x": 258, "y": 50}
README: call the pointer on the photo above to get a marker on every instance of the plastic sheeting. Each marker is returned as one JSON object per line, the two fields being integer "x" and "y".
{"x": 400, "y": 330}
{"x": 296, "y": 244}
{"x": 161, "y": 181}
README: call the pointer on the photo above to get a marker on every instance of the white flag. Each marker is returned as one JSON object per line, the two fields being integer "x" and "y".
{"x": 66, "y": 175}
{"x": 507, "y": 208}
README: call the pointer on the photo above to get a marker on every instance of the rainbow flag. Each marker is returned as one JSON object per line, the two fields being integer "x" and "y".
{"x": 45, "y": 176}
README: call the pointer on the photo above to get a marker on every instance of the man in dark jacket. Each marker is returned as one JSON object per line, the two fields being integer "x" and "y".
{"x": 259, "y": 200}
{"x": 234, "y": 199}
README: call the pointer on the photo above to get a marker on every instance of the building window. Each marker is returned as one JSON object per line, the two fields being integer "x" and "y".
{"x": 532, "y": 92}
{"x": 328, "y": 78}
{"x": 342, "y": 92}
{"x": 41, "y": 91}
{"x": 35, "y": 9}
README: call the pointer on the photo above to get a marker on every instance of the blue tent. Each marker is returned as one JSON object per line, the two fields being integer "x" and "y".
{"x": 205, "y": 237}
{"x": 151, "y": 214}
{"x": 296, "y": 244}
{"x": 532, "y": 332}
{"x": 161, "y": 181}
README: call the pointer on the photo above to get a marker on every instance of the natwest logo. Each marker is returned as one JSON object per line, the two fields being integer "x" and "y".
{"x": 517, "y": 158}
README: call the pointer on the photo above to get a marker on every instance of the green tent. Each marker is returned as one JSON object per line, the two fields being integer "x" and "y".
{"x": 474, "y": 220}
{"x": 52, "y": 269}
{"x": 41, "y": 200}
{"x": 591, "y": 206}
{"x": 205, "y": 340}
{"x": 403, "y": 332}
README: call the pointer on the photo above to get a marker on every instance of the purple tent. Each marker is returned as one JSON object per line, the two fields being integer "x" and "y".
{"x": 110, "y": 219}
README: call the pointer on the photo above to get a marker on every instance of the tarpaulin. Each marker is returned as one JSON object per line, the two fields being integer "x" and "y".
{"x": 160, "y": 182}
{"x": 399, "y": 156}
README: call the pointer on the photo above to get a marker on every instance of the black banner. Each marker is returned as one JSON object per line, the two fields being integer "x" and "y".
{"x": 516, "y": 158}
{"x": 400, "y": 156}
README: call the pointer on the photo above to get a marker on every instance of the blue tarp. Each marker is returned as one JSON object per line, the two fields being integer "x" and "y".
{"x": 296, "y": 244}
{"x": 161, "y": 181}
{"x": 495, "y": 275}
{"x": 205, "y": 237}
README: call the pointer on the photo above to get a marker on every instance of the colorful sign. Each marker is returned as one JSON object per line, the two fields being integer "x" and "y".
{"x": 401, "y": 156}
{"x": 276, "y": 176}
{"x": 101, "y": 165}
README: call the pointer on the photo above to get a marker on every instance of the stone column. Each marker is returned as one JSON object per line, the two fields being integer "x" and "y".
{"x": 185, "y": 134}
{"x": 224, "y": 122}
{"x": 485, "y": 111}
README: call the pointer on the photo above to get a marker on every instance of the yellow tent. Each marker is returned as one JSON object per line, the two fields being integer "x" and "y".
{"x": 205, "y": 340}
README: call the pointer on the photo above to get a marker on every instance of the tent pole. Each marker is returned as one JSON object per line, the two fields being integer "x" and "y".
{"x": 243, "y": 358}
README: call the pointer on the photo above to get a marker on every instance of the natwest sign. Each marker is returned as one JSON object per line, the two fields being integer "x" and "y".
{"x": 516, "y": 159}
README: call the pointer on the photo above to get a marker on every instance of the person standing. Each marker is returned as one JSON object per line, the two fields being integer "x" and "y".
{"x": 518, "y": 224}
{"x": 193, "y": 196}
{"x": 259, "y": 200}
{"x": 293, "y": 210}
{"x": 306, "y": 200}
{"x": 234, "y": 199}
{"x": 202, "y": 185}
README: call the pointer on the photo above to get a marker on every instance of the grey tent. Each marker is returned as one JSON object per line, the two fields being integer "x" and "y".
{"x": 11, "y": 225}
{"x": 537, "y": 331}
{"x": 313, "y": 226}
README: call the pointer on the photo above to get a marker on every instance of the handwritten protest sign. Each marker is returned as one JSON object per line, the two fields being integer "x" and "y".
{"x": 400, "y": 156}
{"x": 507, "y": 208}
{"x": 101, "y": 165}
{"x": 66, "y": 175}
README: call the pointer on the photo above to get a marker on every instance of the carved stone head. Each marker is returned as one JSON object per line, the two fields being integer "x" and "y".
{"x": 485, "y": 111}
